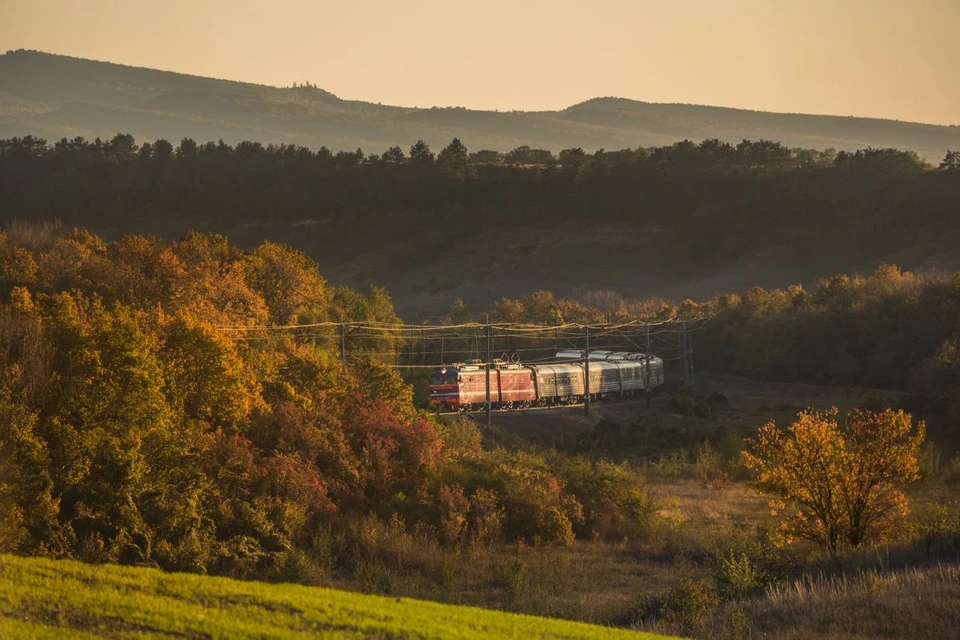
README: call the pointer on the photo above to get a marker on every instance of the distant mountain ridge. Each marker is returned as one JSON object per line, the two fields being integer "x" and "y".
{"x": 55, "y": 96}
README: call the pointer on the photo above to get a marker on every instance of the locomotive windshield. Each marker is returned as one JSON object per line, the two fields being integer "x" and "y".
{"x": 443, "y": 376}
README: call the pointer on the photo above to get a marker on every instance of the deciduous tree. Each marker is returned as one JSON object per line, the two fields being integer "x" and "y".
{"x": 837, "y": 485}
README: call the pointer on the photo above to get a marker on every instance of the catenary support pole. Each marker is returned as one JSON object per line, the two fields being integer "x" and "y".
{"x": 646, "y": 385}
{"x": 586, "y": 375}
{"x": 489, "y": 340}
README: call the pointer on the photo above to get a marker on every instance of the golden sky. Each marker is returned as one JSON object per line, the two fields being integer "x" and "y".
{"x": 885, "y": 58}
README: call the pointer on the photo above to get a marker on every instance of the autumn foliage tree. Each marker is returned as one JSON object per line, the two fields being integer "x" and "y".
{"x": 837, "y": 484}
{"x": 148, "y": 416}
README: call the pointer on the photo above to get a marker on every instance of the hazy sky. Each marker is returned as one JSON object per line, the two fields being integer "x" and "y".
{"x": 885, "y": 58}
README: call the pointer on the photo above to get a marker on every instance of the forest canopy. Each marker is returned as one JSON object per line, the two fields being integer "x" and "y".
{"x": 141, "y": 427}
{"x": 414, "y": 218}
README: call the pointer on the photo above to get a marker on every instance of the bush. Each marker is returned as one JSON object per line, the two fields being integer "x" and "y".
{"x": 684, "y": 609}
{"x": 554, "y": 527}
{"x": 616, "y": 504}
{"x": 486, "y": 516}
{"x": 707, "y": 467}
{"x": 744, "y": 565}
{"x": 454, "y": 509}
{"x": 460, "y": 436}
{"x": 937, "y": 528}
{"x": 688, "y": 403}
{"x": 673, "y": 464}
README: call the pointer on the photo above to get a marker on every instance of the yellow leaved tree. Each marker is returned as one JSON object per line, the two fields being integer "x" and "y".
{"x": 837, "y": 484}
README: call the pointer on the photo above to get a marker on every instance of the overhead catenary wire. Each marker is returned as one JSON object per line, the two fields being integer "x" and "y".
{"x": 520, "y": 343}
{"x": 511, "y": 326}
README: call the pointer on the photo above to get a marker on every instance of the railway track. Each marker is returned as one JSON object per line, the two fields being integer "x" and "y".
{"x": 574, "y": 405}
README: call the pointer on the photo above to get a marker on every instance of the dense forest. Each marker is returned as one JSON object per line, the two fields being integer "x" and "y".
{"x": 138, "y": 428}
{"x": 483, "y": 224}
{"x": 711, "y": 203}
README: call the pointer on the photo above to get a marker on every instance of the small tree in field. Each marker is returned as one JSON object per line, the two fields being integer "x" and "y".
{"x": 840, "y": 481}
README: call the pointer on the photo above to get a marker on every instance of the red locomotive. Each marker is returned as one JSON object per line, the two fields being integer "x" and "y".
{"x": 463, "y": 387}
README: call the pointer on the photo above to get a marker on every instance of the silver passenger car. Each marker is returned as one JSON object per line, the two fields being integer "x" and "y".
{"x": 617, "y": 371}
{"x": 558, "y": 380}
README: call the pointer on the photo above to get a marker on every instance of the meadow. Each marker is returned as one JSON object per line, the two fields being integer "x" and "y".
{"x": 42, "y": 598}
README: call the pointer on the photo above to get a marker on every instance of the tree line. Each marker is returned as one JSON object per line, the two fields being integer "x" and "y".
{"x": 707, "y": 204}
{"x": 714, "y": 153}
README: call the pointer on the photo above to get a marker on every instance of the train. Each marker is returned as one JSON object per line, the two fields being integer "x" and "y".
{"x": 462, "y": 386}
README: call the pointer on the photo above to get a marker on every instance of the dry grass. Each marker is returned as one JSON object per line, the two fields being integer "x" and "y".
{"x": 919, "y": 602}
{"x": 594, "y": 581}
{"x": 711, "y": 511}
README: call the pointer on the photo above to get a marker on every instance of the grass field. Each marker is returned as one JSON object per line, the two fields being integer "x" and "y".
{"x": 51, "y": 599}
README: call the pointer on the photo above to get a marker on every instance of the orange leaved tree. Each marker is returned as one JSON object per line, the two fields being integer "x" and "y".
{"x": 837, "y": 484}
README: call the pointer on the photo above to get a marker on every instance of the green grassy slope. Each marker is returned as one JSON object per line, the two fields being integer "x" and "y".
{"x": 43, "y": 598}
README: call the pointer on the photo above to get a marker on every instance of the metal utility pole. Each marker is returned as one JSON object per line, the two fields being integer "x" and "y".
{"x": 646, "y": 386}
{"x": 489, "y": 340}
{"x": 343, "y": 341}
{"x": 586, "y": 376}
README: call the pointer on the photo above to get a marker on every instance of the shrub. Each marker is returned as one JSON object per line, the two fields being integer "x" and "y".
{"x": 615, "y": 500}
{"x": 517, "y": 581}
{"x": 938, "y": 525}
{"x": 688, "y": 403}
{"x": 460, "y": 436}
{"x": 684, "y": 608}
{"x": 454, "y": 509}
{"x": 743, "y": 565}
{"x": 486, "y": 516}
{"x": 673, "y": 464}
{"x": 707, "y": 469}
{"x": 532, "y": 496}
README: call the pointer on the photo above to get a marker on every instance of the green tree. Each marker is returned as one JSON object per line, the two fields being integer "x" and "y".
{"x": 122, "y": 148}
{"x": 188, "y": 148}
{"x": 289, "y": 283}
{"x": 207, "y": 379}
{"x": 485, "y": 156}
{"x": 951, "y": 161}
{"x": 453, "y": 156}
{"x": 420, "y": 154}
{"x": 394, "y": 155}
{"x": 574, "y": 158}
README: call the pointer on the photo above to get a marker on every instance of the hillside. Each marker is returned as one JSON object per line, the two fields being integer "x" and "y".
{"x": 677, "y": 221}
{"x": 57, "y": 96}
{"x": 40, "y": 598}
